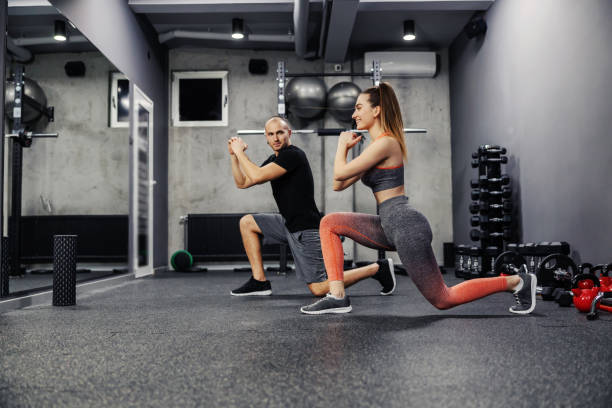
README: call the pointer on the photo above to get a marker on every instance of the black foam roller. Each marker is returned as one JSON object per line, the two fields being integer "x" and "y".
{"x": 5, "y": 269}
{"x": 64, "y": 270}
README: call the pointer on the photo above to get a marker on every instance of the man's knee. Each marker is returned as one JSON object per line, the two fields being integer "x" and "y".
{"x": 248, "y": 224}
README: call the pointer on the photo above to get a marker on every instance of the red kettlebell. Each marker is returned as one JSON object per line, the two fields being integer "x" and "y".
{"x": 604, "y": 279}
{"x": 584, "y": 293}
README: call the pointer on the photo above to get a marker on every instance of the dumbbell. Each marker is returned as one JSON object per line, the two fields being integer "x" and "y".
{"x": 488, "y": 260}
{"x": 484, "y": 194}
{"x": 493, "y": 149}
{"x": 475, "y": 208}
{"x": 483, "y": 181}
{"x": 503, "y": 180}
{"x": 477, "y": 220}
{"x": 530, "y": 252}
{"x": 476, "y": 268}
{"x": 460, "y": 252}
{"x": 483, "y": 160}
{"x": 563, "y": 297}
{"x": 476, "y": 235}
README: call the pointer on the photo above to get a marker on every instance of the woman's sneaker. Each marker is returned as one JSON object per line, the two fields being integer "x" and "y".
{"x": 253, "y": 287}
{"x": 328, "y": 304}
{"x": 386, "y": 276}
{"x": 525, "y": 298}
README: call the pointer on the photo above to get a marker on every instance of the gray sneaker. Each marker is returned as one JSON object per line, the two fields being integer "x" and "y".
{"x": 526, "y": 297}
{"x": 386, "y": 276}
{"x": 328, "y": 304}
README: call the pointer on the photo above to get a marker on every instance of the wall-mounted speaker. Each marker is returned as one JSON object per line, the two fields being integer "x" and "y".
{"x": 75, "y": 68}
{"x": 475, "y": 28}
{"x": 258, "y": 66}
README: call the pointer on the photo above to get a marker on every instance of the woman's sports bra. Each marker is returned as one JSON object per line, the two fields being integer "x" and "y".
{"x": 383, "y": 178}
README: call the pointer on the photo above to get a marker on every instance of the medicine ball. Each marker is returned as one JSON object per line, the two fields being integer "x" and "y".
{"x": 181, "y": 261}
{"x": 341, "y": 100}
{"x": 305, "y": 97}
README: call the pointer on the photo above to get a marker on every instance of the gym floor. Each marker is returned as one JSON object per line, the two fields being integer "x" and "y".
{"x": 182, "y": 340}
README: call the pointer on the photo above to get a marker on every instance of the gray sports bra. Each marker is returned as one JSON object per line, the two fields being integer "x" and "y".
{"x": 383, "y": 178}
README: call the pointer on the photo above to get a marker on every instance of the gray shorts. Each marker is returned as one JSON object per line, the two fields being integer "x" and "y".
{"x": 305, "y": 246}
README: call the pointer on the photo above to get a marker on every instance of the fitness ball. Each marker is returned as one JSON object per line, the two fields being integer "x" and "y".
{"x": 341, "y": 100}
{"x": 305, "y": 97}
{"x": 181, "y": 261}
{"x": 32, "y": 108}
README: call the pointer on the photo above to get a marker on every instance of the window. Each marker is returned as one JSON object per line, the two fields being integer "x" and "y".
{"x": 119, "y": 101}
{"x": 199, "y": 98}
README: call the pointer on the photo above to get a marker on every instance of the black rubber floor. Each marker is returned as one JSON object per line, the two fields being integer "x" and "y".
{"x": 180, "y": 340}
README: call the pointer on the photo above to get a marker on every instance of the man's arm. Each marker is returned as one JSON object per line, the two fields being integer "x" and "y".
{"x": 239, "y": 177}
{"x": 253, "y": 173}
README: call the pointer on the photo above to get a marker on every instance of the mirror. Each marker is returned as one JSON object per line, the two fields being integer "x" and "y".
{"x": 66, "y": 152}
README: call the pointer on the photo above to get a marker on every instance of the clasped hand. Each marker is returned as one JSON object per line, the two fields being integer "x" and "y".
{"x": 236, "y": 144}
{"x": 349, "y": 139}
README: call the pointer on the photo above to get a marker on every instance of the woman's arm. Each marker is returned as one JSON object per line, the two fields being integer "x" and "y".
{"x": 370, "y": 157}
{"x": 342, "y": 185}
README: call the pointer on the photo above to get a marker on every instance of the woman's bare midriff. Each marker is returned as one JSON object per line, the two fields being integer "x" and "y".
{"x": 384, "y": 195}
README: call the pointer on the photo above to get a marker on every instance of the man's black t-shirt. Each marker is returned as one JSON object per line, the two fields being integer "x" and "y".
{"x": 294, "y": 190}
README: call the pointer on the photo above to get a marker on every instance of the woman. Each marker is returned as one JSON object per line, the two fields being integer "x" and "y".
{"x": 398, "y": 227}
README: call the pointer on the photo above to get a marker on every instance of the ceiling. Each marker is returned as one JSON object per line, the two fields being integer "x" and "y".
{"x": 334, "y": 30}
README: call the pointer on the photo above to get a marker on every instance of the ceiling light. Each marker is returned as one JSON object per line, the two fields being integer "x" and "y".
{"x": 409, "y": 33}
{"x": 60, "y": 31}
{"x": 237, "y": 29}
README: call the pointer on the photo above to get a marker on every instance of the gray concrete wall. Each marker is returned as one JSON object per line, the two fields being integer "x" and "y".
{"x": 539, "y": 84}
{"x": 199, "y": 172}
{"x": 85, "y": 170}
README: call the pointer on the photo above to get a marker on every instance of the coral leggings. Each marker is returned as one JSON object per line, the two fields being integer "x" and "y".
{"x": 400, "y": 228}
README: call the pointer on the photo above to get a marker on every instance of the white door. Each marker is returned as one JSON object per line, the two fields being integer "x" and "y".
{"x": 141, "y": 170}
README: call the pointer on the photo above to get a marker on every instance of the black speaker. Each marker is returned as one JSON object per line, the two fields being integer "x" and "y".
{"x": 258, "y": 66}
{"x": 75, "y": 68}
{"x": 475, "y": 27}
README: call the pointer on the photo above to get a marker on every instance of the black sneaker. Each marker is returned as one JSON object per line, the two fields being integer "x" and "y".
{"x": 386, "y": 276}
{"x": 328, "y": 304}
{"x": 526, "y": 297}
{"x": 253, "y": 287}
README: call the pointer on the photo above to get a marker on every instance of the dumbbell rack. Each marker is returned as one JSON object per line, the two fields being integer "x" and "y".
{"x": 491, "y": 209}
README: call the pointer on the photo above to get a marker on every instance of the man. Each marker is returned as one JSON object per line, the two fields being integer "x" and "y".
{"x": 297, "y": 225}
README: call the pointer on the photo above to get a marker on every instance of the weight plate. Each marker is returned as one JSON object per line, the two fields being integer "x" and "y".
{"x": 507, "y": 262}
{"x": 556, "y": 270}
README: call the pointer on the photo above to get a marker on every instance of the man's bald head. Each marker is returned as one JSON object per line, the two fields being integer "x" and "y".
{"x": 278, "y": 133}
{"x": 277, "y": 120}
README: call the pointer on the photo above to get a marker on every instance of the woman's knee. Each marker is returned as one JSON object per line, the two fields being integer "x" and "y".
{"x": 330, "y": 223}
{"x": 441, "y": 304}
{"x": 327, "y": 222}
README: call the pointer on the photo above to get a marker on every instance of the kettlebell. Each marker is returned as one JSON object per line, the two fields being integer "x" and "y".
{"x": 584, "y": 293}
{"x": 604, "y": 279}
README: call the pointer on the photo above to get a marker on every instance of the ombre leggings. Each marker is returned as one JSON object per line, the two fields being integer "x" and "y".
{"x": 400, "y": 228}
